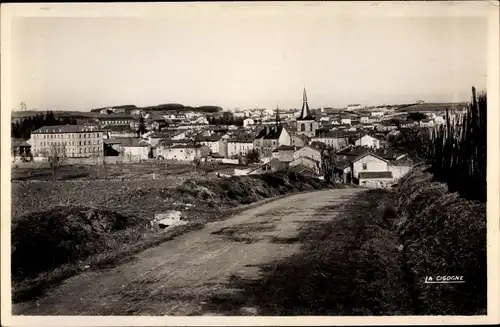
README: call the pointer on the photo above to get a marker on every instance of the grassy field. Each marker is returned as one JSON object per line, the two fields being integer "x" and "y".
{"x": 128, "y": 171}
{"x": 60, "y": 227}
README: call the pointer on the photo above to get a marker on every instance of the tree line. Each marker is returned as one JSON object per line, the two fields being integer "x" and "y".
{"x": 226, "y": 118}
{"x": 24, "y": 127}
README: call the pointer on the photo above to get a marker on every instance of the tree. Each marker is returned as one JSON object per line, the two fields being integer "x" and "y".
{"x": 253, "y": 156}
{"x": 416, "y": 116}
{"x": 55, "y": 156}
{"x": 142, "y": 126}
{"x": 328, "y": 163}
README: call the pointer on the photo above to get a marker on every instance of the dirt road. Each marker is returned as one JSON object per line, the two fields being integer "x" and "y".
{"x": 177, "y": 277}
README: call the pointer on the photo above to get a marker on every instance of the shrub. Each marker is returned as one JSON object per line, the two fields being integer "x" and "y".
{"x": 443, "y": 234}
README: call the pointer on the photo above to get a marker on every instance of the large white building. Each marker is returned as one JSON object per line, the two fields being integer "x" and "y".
{"x": 71, "y": 141}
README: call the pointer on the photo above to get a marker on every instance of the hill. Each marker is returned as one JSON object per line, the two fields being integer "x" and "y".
{"x": 177, "y": 107}
{"x": 432, "y": 107}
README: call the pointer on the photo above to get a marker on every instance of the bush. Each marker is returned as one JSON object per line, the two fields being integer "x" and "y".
{"x": 48, "y": 239}
{"x": 443, "y": 234}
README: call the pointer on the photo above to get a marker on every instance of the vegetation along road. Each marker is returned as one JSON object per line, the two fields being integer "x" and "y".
{"x": 310, "y": 253}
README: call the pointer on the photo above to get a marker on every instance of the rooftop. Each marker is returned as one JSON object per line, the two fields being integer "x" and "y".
{"x": 375, "y": 174}
{"x": 56, "y": 129}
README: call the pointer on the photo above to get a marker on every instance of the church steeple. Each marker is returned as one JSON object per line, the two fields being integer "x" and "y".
{"x": 305, "y": 114}
{"x": 278, "y": 120}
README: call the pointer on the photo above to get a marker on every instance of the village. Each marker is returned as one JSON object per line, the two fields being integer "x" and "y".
{"x": 351, "y": 145}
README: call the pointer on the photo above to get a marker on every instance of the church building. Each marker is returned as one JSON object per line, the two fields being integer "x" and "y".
{"x": 306, "y": 123}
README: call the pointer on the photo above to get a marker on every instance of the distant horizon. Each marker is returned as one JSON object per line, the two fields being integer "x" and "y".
{"x": 252, "y": 58}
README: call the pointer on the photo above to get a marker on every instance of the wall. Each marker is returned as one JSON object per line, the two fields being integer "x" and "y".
{"x": 306, "y": 162}
{"x": 285, "y": 155}
{"x": 399, "y": 171}
{"x": 239, "y": 148}
{"x": 240, "y": 172}
{"x": 376, "y": 183}
{"x": 307, "y": 152}
{"x": 80, "y": 144}
{"x": 368, "y": 141}
{"x": 136, "y": 152}
{"x": 372, "y": 164}
{"x": 183, "y": 154}
{"x": 335, "y": 143}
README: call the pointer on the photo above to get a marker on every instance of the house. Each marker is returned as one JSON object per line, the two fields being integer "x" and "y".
{"x": 299, "y": 140}
{"x": 368, "y": 162}
{"x": 332, "y": 139}
{"x": 67, "y": 140}
{"x": 303, "y": 170}
{"x": 309, "y": 152}
{"x": 369, "y": 141}
{"x": 20, "y": 147}
{"x": 408, "y": 124}
{"x": 214, "y": 143}
{"x": 345, "y": 120}
{"x": 364, "y": 119}
{"x": 426, "y": 123}
{"x": 239, "y": 146}
{"x": 248, "y": 121}
{"x": 182, "y": 152}
{"x": 134, "y": 149}
{"x": 309, "y": 162}
{"x": 386, "y": 126}
{"x": 351, "y": 107}
{"x": 115, "y": 120}
{"x": 377, "y": 113}
{"x": 179, "y": 135}
{"x": 270, "y": 138}
{"x": 285, "y": 153}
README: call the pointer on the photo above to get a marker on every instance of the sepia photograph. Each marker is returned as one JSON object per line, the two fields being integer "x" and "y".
{"x": 256, "y": 159}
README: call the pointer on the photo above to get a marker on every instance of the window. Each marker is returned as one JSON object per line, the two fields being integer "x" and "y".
{"x": 375, "y": 143}
{"x": 365, "y": 166}
{"x": 302, "y": 127}
{"x": 311, "y": 127}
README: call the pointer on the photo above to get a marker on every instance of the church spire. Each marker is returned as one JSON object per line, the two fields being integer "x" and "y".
{"x": 278, "y": 120}
{"x": 305, "y": 113}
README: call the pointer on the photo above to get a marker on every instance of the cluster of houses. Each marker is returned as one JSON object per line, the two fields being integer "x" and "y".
{"x": 293, "y": 140}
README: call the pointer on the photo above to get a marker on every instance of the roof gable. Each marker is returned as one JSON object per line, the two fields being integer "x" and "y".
{"x": 369, "y": 153}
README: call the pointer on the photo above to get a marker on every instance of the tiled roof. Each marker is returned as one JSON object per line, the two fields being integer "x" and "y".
{"x": 114, "y": 117}
{"x": 300, "y": 168}
{"x": 211, "y": 138}
{"x": 286, "y": 148}
{"x": 187, "y": 146}
{"x": 375, "y": 174}
{"x": 134, "y": 143}
{"x": 65, "y": 129}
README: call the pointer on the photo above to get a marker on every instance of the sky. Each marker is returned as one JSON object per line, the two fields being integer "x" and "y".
{"x": 245, "y": 60}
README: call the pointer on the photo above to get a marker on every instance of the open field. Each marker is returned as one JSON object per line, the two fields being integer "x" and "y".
{"x": 152, "y": 169}
{"x": 91, "y": 222}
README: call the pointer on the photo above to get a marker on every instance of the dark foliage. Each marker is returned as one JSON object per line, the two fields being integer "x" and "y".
{"x": 23, "y": 128}
{"x": 227, "y": 118}
{"x": 417, "y": 116}
{"x": 457, "y": 152}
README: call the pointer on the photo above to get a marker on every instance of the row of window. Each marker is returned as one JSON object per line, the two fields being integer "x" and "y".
{"x": 67, "y": 136}
{"x": 113, "y": 122}
{"x": 70, "y": 143}
{"x": 81, "y": 150}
